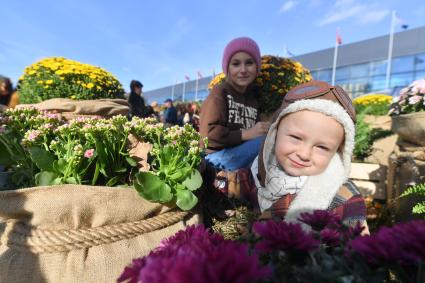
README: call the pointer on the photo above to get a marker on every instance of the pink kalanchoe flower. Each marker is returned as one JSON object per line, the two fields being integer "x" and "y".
{"x": 89, "y": 153}
{"x": 415, "y": 99}
{"x": 33, "y": 135}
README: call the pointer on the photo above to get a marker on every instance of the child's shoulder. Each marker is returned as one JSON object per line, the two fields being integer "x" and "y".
{"x": 348, "y": 191}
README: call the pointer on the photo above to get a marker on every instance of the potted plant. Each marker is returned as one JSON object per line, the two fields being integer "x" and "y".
{"x": 408, "y": 113}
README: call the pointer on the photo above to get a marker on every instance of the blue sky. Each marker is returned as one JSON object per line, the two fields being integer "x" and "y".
{"x": 159, "y": 42}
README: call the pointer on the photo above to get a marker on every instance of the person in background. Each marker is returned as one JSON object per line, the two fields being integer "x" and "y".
{"x": 156, "y": 110}
{"x": 136, "y": 101}
{"x": 6, "y": 90}
{"x": 229, "y": 116}
{"x": 170, "y": 113}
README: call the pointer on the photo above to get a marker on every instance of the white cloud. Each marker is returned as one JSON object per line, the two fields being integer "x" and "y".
{"x": 287, "y": 6}
{"x": 349, "y": 9}
{"x": 373, "y": 16}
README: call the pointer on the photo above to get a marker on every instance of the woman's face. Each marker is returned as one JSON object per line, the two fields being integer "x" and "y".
{"x": 242, "y": 71}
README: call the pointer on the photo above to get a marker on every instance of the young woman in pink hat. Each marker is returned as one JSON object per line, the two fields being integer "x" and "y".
{"x": 229, "y": 116}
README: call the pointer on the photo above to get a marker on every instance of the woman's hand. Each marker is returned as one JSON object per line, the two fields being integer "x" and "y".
{"x": 260, "y": 129}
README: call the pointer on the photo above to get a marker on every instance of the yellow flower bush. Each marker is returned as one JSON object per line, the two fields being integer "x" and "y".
{"x": 374, "y": 104}
{"x": 60, "y": 77}
{"x": 277, "y": 76}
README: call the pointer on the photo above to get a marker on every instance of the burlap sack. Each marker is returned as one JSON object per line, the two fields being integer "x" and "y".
{"x": 70, "y": 109}
{"x": 75, "y": 233}
{"x": 406, "y": 168}
{"x": 410, "y": 127}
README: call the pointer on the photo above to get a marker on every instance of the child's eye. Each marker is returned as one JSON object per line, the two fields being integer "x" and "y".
{"x": 322, "y": 147}
{"x": 295, "y": 137}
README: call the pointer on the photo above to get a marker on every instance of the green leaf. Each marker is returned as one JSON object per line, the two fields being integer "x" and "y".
{"x": 71, "y": 180}
{"x": 131, "y": 161}
{"x": 45, "y": 178}
{"x": 186, "y": 199}
{"x": 113, "y": 181}
{"x": 42, "y": 158}
{"x": 152, "y": 188}
{"x": 96, "y": 174}
{"x": 194, "y": 181}
{"x": 419, "y": 208}
{"x": 60, "y": 165}
{"x": 120, "y": 170}
{"x": 6, "y": 157}
{"x": 176, "y": 175}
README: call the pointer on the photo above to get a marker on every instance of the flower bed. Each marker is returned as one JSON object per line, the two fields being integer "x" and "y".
{"x": 58, "y": 77}
{"x": 373, "y": 104}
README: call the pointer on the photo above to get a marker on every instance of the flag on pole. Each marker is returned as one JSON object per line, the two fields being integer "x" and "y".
{"x": 199, "y": 75}
{"x": 338, "y": 37}
{"x": 187, "y": 77}
{"x": 288, "y": 53}
{"x": 400, "y": 22}
{"x": 338, "y": 42}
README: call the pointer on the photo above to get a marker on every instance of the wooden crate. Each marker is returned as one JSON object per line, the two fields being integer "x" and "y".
{"x": 370, "y": 179}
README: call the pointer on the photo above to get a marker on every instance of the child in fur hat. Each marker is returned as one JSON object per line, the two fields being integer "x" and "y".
{"x": 305, "y": 161}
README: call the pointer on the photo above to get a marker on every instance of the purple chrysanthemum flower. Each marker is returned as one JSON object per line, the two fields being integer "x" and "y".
{"x": 330, "y": 237}
{"x": 319, "y": 219}
{"x": 195, "y": 255}
{"x": 131, "y": 273}
{"x": 353, "y": 232}
{"x": 283, "y": 236}
{"x": 402, "y": 244}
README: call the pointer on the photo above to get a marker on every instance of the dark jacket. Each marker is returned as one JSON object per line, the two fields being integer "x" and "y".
{"x": 170, "y": 115}
{"x": 137, "y": 105}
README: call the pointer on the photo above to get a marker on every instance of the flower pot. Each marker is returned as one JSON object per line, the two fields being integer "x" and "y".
{"x": 410, "y": 127}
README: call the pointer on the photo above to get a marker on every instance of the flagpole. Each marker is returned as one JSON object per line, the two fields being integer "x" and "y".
{"x": 196, "y": 89}
{"x": 184, "y": 88}
{"x": 390, "y": 51}
{"x": 172, "y": 90}
{"x": 334, "y": 63}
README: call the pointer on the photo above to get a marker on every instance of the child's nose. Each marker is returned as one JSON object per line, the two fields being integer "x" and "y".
{"x": 304, "y": 152}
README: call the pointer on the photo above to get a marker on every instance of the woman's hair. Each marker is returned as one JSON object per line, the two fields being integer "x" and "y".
{"x": 6, "y": 90}
{"x": 134, "y": 84}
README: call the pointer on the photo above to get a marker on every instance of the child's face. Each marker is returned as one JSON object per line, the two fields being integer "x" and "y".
{"x": 242, "y": 70}
{"x": 306, "y": 141}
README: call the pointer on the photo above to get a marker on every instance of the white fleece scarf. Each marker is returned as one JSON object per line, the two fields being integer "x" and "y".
{"x": 278, "y": 184}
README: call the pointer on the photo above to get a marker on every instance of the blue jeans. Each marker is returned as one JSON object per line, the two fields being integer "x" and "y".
{"x": 233, "y": 158}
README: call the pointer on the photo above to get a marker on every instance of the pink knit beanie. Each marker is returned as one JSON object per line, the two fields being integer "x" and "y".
{"x": 241, "y": 44}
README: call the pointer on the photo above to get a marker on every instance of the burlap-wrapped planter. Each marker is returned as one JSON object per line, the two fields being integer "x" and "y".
{"x": 71, "y": 109}
{"x": 406, "y": 168}
{"x": 410, "y": 127}
{"x": 75, "y": 233}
